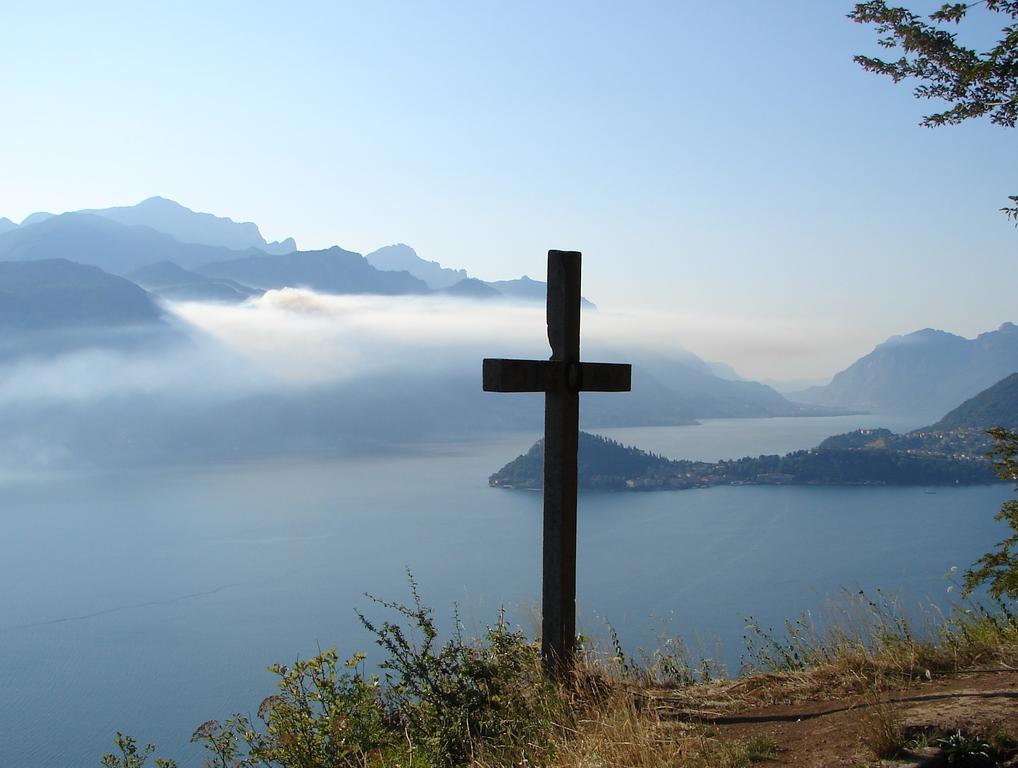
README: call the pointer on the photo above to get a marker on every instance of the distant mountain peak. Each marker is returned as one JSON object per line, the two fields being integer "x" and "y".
{"x": 36, "y": 218}
{"x": 923, "y": 335}
{"x": 400, "y": 257}
{"x": 924, "y": 372}
{"x": 471, "y": 287}
{"x": 159, "y": 200}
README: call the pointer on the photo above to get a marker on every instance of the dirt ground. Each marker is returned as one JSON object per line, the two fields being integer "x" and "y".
{"x": 832, "y": 733}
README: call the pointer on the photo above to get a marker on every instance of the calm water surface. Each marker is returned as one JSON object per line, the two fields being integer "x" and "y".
{"x": 148, "y": 602}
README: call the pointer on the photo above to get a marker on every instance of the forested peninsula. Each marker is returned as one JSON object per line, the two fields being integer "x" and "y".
{"x": 607, "y": 465}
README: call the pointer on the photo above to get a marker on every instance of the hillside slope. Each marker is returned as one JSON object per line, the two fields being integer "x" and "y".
{"x": 993, "y": 407}
{"x": 58, "y": 293}
{"x": 929, "y": 371}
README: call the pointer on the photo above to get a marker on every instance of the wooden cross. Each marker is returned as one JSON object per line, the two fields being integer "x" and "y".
{"x": 561, "y": 378}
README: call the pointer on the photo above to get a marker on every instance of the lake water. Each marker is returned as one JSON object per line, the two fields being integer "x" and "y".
{"x": 148, "y": 602}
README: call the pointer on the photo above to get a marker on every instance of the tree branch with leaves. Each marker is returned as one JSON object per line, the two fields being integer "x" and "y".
{"x": 999, "y": 568}
{"x": 972, "y": 84}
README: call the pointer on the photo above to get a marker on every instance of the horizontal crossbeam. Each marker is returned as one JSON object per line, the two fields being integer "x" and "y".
{"x": 503, "y": 375}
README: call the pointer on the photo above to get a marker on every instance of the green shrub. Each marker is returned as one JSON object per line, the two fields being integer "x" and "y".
{"x": 452, "y": 697}
{"x": 325, "y": 714}
{"x": 999, "y": 568}
{"x": 966, "y": 751}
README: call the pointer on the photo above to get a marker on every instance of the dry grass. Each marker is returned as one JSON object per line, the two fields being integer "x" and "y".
{"x": 628, "y": 713}
{"x": 882, "y": 726}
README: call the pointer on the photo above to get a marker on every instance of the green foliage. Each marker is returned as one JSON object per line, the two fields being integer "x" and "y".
{"x": 999, "y": 568}
{"x": 442, "y": 704}
{"x": 966, "y": 751}
{"x": 325, "y": 714}
{"x": 974, "y": 84}
{"x": 450, "y": 698}
{"x": 132, "y": 757}
{"x": 981, "y": 629}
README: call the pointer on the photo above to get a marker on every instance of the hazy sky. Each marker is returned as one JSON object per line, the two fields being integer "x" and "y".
{"x": 725, "y": 164}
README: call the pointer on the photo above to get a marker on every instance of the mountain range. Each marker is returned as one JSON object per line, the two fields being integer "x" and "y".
{"x": 183, "y": 224}
{"x": 332, "y": 270}
{"x": 108, "y": 268}
{"x": 925, "y": 372}
{"x": 125, "y": 240}
{"x": 100, "y": 242}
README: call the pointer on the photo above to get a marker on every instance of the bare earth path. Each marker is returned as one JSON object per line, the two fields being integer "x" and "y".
{"x": 831, "y": 733}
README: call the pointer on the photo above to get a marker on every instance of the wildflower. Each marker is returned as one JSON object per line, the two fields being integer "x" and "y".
{"x": 206, "y": 730}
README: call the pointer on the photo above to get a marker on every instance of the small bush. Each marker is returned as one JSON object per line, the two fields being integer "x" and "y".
{"x": 966, "y": 751}
{"x": 454, "y": 698}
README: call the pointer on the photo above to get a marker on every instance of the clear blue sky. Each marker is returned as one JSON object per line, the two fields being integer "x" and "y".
{"x": 726, "y": 162}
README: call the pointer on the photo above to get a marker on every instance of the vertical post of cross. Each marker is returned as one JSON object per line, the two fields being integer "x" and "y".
{"x": 561, "y": 445}
{"x": 561, "y": 378}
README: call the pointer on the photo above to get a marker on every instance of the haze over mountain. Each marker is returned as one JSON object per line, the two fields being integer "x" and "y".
{"x": 332, "y": 270}
{"x": 925, "y": 372}
{"x": 53, "y": 309}
{"x": 6, "y": 225}
{"x": 295, "y": 352}
{"x": 456, "y": 282}
{"x": 178, "y": 284}
{"x": 56, "y": 293}
{"x": 529, "y": 290}
{"x": 707, "y": 395}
